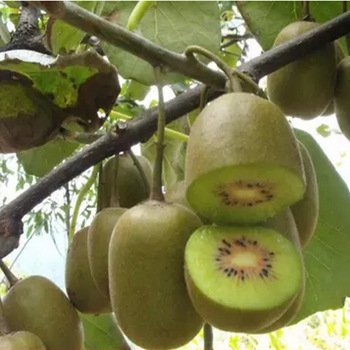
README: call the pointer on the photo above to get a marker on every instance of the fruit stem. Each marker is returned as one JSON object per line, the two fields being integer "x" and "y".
{"x": 306, "y": 11}
{"x": 190, "y": 50}
{"x": 4, "y": 328}
{"x": 203, "y": 97}
{"x": 82, "y": 193}
{"x": 208, "y": 337}
{"x": 157, "y": 193}
{"x": 138, "y": 13}
{"x": 114, "y": 199}
{"x": 170, "y": 133}
{"x": 12, "y": 279}
{"x": 141, "y": 172}
{"x": 99, "y": 195}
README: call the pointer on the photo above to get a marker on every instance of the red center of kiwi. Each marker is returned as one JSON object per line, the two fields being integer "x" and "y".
{"x": 244, "y": 193}
{"x": 243, "y": 259}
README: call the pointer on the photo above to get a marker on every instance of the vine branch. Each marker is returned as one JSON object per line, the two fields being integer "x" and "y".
{"x": 141, "y": 129}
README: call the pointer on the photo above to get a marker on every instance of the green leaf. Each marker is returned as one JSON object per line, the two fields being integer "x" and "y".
{"x": 39, "y": 161}
{"x": 102, "y": 333}
{"x": 327, "y": 257}
{"x": 174, "y": 25}
{"x": 324, "y": 130}
{"x": 266, "y": 19}
{"x": 65, "y": 38}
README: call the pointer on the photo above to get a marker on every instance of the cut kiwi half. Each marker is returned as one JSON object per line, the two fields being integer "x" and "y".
{"x": 241, "y": 279}
{"x": 243, "y": 164}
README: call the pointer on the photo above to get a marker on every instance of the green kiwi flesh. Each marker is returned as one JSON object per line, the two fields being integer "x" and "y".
{"x": 242, "y": 163}
{"x": 80, "y": 286}
{"x": 99, "y": 235}
{"x": 303, "y": 88}
{"x": 121, "y": 184}
{"x": 241, "y": 278}
{"x": 147, "y": 286}
{"x": 37, "y": 305}
{"x": 21, "y": 340}
{"x": 305, "y": 211}
{"x": 341, "y": 98}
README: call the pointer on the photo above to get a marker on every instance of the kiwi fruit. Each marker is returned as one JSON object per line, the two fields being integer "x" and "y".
{"x": 242, "y": 278}
{"x": 121, "y": 184}
{"x": 242, "y": 164}
{"x": 305, "y": 87}
{"x": 21, "y": 340}
{"x": 305, "y": 211}
{"x": 80, "y": 286}
{"x": 341, "y": 97}
{"x": 27, "y": 117}
{"x": 37, "y": 305}
{"x": 99, "y": 235}
{"x": 147, "y": 286}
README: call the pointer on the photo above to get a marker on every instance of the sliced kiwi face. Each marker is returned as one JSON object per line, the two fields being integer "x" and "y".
{"x": 241, "y": 278}
{"x": 305, "y": 211}
{"x": 242, "y": 164}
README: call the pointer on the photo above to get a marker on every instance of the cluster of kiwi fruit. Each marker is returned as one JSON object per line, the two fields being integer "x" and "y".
{"x": 317, "y": 85}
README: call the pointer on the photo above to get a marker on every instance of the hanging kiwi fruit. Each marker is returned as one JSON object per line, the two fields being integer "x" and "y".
{"x": 21, "y": 340}
{"x": 305, "y": 87}
{"x": 121, "y": 183}
{"x": 251, "y": 168}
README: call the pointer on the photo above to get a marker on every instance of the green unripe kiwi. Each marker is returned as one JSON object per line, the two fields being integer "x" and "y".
{"x": 80, "y": 286}
{"x": 242, "y": 164}
{"x": 99, "y": 235}
{"x": 305, "y": 211}
{"x": 37, "y": 305}
{"x": 147, "y": 286}
{"x": 341, "y": 98}
{"x": 121, "y": 184}
{"x": 21, "y": 340}
{"x": 305, "y": 87}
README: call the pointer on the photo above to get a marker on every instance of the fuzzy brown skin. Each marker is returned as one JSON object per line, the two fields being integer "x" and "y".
{"x": 147, "y": 286}
{"x": 305, "y": 212}
{"x": 99, "y": 235}
{"x": 37, "y": 305}
{"x": 305, "y": 87}
{"x": 80, "y": 286}
{"x": 341, "y": 98}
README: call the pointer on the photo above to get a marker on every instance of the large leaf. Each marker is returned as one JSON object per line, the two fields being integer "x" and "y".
{"x": 174, "y": 25}
{"x": 327, "y": 256}
{"x": 65, "y": 38}
{"x": 102, "y": 333}
{"x": 39, "y": 161}
{"x": 266, "y": 19}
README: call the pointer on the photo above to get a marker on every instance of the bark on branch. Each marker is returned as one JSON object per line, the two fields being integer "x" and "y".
{"x": 142, "y": 128}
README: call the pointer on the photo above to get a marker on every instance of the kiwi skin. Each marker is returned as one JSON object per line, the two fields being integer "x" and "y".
{"x": 241, "y": 130}
{"x": 305, "y": 87}
{"x": 285, "y": 224}
{"x": 147, "y": 286}
{"x": 80, "y": 286}
{"x": 341, "y": 98}
{"x": 37, "y": 305}
{"x": 99, "y": 235}
{"x": 305, "y": 211}
{"x": 21, "y": 340}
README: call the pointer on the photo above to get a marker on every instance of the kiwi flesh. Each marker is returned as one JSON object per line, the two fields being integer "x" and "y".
{"x": 305, "y": 211}
{"x": 242, "y": 164}
{"x": 80, "y": 286}
{"x": 341, "y": 97}
{"x": 37, "y": 305}
{"x": 121, "y": 184}
{"x": 99, "y": 235}
{"x": 147, "y": 286}
{"x": 243, "y": 278}
{"x": 21, "y": 340}
{"x": 304, "y": 87}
